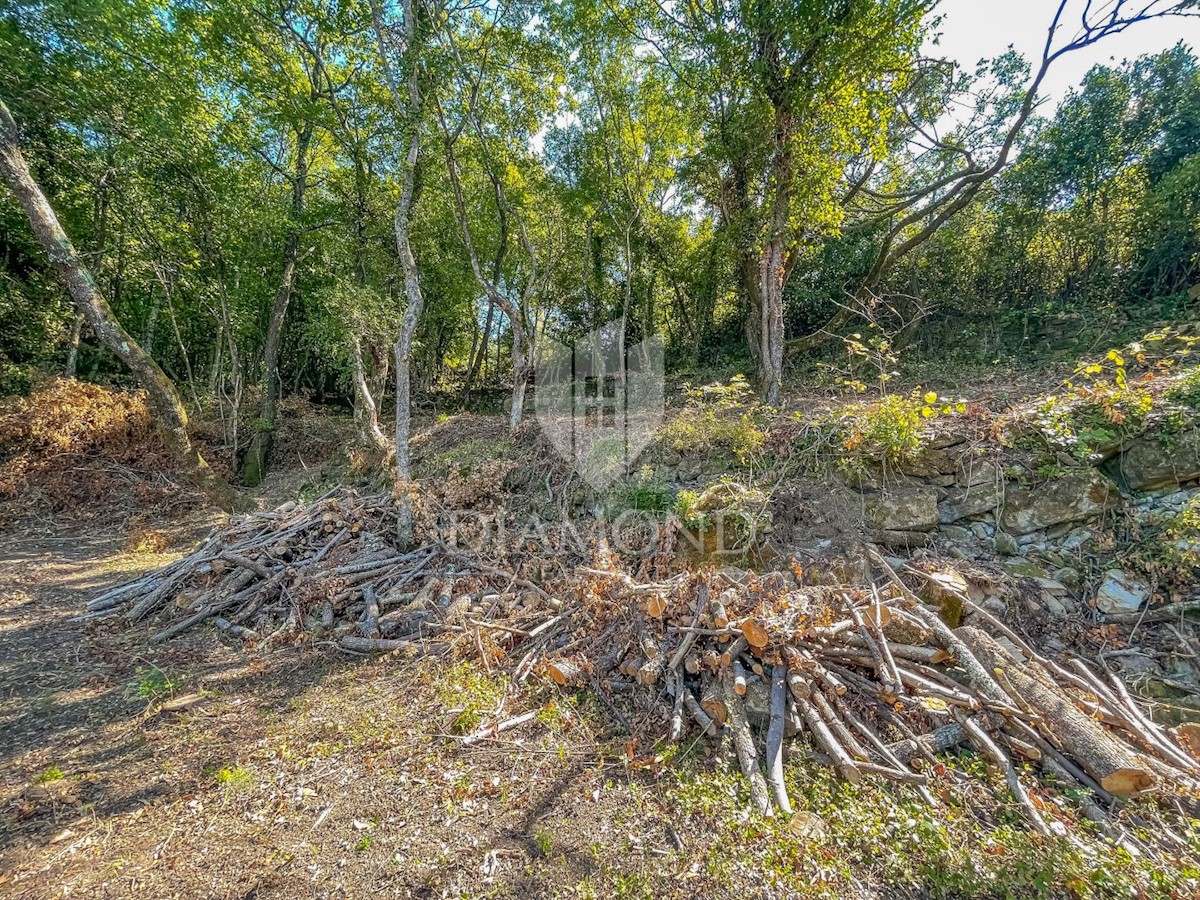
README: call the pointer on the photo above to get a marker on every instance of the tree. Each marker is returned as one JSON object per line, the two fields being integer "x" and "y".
{"x": 165, "y": 402}
{"x": 406, "y": 44}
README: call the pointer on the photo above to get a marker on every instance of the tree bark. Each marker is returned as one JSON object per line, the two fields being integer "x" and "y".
{"x": 409, "y": 108}
{"x": 773, "y": 271}
{"x": 1118, "y": 770}
{"x": 73, "y": 346}
{"x": 366, "y": 412}
{"x": 254, "y": 467}
{"x": 165, "y": 403}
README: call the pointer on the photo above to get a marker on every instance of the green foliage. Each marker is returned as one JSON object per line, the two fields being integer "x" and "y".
{"x": 717, "y": 417}
{"x": 469, "y": 695}
{"x": 1186, "y": 391}
{"x": 685, "y": 508}
{"x": 647, "y": 492}
{"x": 889, "y": 430}
{"x": 234, "y": 779}
{"x": 154, "y": 684}
{"x": 1168, "y": 547}
{"x": 49, "y": 774}
{"x": 842, "y": 833}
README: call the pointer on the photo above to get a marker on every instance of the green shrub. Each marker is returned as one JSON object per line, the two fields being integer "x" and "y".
{"x": 718, "y": 417}
{"x": 890, "y": 429}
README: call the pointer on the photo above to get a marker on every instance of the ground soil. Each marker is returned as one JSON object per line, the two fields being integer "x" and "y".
{"x": 301, "y": 773}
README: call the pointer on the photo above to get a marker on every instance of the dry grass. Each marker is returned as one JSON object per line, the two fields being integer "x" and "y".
{"x": 78, "y": 447}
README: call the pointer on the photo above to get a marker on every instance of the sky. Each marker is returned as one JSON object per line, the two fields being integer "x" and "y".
{"x": 975, "y": 29}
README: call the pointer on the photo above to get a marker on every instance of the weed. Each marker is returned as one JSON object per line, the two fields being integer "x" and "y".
{"x": 469, "y": 694}
{"x": 718, "y": 417}
{"x": 841, "y": 831}
{"x": 646, "y": 492}
{"x": 544, "y": 838}
{"x": 364, "y": 843}
{"x": 154, "y": 684}
{"x": 50, "y": 774}
{"x": 233, "y": 779}
{"x": 890, "y": 429}
{"x": 1186, "y": 391}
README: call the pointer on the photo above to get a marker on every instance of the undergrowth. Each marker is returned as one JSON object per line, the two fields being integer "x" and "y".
{"x": 718, "y": 417}
{"x": 76, "y": 446}
{"x": 874, "y": 836}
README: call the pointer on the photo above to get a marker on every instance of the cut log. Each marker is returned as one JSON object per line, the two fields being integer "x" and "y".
{"x": 743, "y": 743}
{"x": 739, "y": 678}
{"x": 775, "y": 737}
{"x": 566, "y": 672}
{"x": 756, "y": 636}
{"x": 712, "y": 701}
{"x": 1114, "y": 765}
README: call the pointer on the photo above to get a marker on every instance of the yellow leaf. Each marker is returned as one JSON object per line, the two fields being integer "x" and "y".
{"x": 926, "y": 412}
{"x": 931, "y": 397}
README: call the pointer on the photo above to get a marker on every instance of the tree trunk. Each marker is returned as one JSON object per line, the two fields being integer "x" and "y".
{"x": 254, "y": 467}
{"x": 73, "y": 346}
{"x": 773, "y": 271}
{"x": 168, "y": 410}
{"x": 1115, "y": 766}
{"x": 479, "y": 352}
{"x": 522, "y": 367}
{"x": 409, "y": 108}
{"x": 366, "y": 413}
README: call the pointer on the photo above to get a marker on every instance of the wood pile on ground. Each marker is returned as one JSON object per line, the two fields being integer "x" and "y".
{"x": 870, "y": 675}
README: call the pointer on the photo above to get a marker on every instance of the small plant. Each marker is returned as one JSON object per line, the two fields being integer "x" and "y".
{"x": 154, "y": 684}
{"x": 736, "y": 512}
{"x": 688, "y": 514}
{"x": 1096, "y": 413}
{"x": 718, "y": 417}
{"x": 469, "y": 695}
{"x": 890, "y": 429}
{"x": 1186, "y": 391}
{"x": 646, "y": 492}
{"x": 544, "y": 839}
{"x": 49, "y": 774}
{"x": 234, "y": 778}
{"x": 364, "y": 843}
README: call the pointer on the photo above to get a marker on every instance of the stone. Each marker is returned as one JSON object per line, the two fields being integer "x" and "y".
{"x": 945, "y": 590}
{"x": 982, "y": 530}
{"x": 1054, "y": 644}
{"x": 1121, "y": 592}
{"x": 1023, "y": 568}
{"x": 1076, "y": 496}
{"x": 1076, "y": 539}
{"x": 1158, "y": 460}
{"x": 1069, "y": 576}
{"x": 839, "y": 562}
{"x": 903, "y": 505}
{"x": 995, "y": 606}
{"x": 930, "y": 462}
{"x": 1053, "y": 605}
{"x": 972, "y": 472}
{"x": 758, "y": 707}
{"x": 1006, "y": 544}
{"x": 965, "y": 502}
{"x": 957, "y": 533}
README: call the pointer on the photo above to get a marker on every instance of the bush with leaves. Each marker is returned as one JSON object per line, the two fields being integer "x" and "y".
{"x": 718, "y": 417}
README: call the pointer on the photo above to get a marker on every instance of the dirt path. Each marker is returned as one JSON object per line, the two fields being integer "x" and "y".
{"x": 297, "y": 773}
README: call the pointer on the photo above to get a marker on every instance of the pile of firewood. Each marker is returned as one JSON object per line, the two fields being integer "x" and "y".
{"x": 871, "y": 675}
